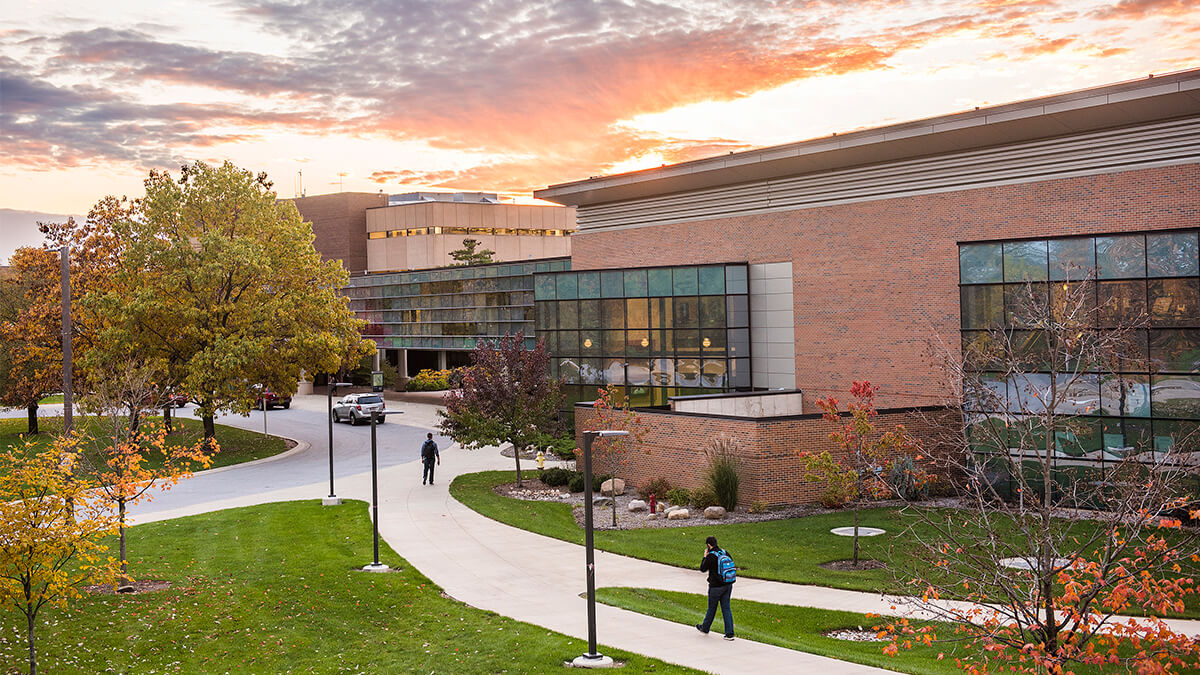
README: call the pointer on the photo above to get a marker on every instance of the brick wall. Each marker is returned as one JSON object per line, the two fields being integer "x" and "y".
{"x": 672, "y": 447}
{"x": 340, "y": 225}
{"x": 875, "y": 281}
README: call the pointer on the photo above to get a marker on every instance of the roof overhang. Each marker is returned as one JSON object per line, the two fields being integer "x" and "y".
{"x": 1152, "y": 99}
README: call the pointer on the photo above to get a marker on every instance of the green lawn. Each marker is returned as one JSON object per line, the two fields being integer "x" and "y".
{"x": 273, "y": 589}
{"x": 790, "y": 550}
{"x": 52, "y": 398}
{"x": 237, "y": 445}
{"x": 802, "y": 629}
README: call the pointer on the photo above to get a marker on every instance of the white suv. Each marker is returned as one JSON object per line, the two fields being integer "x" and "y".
{"x": 357, "y": 408}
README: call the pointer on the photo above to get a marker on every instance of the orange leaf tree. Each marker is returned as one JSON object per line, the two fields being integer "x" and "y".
{"x": 612, "y": 413}
{"x": 863, "y": 466}
{"x": 51, "y": 528}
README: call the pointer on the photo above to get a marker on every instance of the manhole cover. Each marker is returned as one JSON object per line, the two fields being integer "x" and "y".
{"x": 862, "y": 531}
{"x": 1030, "y": 563}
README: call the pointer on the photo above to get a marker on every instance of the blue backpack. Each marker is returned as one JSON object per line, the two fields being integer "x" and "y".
{"x": 725, "y": 566}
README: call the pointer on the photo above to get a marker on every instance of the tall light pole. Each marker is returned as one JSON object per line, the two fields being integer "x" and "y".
{"x": 330, "y": 386}
{"x": 68, "y": 393}
{"x": 376, "y": 415}
{"x": 593, "y": 658}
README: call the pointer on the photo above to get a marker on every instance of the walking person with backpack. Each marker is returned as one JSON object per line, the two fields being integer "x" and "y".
{"x": 429, "y": 453}
{"x": 721, "y": 575}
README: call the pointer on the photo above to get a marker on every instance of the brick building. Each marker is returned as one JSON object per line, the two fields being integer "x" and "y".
{"x": 895, "y": 236}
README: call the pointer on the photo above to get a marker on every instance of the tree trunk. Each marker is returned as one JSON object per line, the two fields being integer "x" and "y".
{"x": 856, "y": 536}
{"x": 33, "y": 419}
{"x": 167, "y": 418}
{"x": 517, "y": 454}
{"x": 210, "y": 433}
{"x": 32, "y": 654}
{"x": 1050, "y": 632}
{"x": 121, "y": 535}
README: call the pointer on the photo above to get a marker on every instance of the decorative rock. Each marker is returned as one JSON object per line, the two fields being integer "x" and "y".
{"x": 606, "y": 488}
{"x": 636, "y": 505}
{"x": 714, "y": 513}
{"x": 670, "y": 508}
{"x": 602, "y": 501}
{"x": 1030, "y": 563}
{"x": 862, "y": 531}
{"x": 127, "y": 588}
{"x": 678, "y": 514}
{"x": 652, "y": 516}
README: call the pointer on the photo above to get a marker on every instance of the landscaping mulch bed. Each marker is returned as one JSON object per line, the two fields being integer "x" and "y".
{"x": 142, "y": 586}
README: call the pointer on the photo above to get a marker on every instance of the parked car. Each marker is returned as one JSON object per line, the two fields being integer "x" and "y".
{"x": 269, "y": 399}
{"x": 357, "y": 408}
{"x": 177, "y": 400}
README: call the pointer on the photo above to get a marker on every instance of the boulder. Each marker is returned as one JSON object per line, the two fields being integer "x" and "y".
{"x": 602, "y": 501}
{"x": 606, "y": 488}
{"x": 678, "y": 514}
{"x": 668, "y": 509}
{"x": 652, "y": 516}
{"x": 636, "y": 505}
{"x": 714, "y": 513}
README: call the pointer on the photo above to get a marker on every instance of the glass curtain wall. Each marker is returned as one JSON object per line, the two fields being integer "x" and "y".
{"x": 656, "y": 332}
{"x": 1151, "y": 402}
{"x": 450, "y": 307}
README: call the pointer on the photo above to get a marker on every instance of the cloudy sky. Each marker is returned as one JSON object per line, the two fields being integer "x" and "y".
{"x": 511, "y": 96}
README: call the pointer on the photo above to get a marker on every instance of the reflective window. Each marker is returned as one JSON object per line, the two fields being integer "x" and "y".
{"x": 636, "y": 285}
{"x": 1072, "y": 259}
{"x": 712, "y": 280}
{"x": 589, "y": 284}
{"x": 1175, "y": 396}
{"x": 1025, "y": 261}
{"x": 980, "y": 263}
{"x": 612, "y": 284}
{"x": 982, "y": 306}
{"x": 660, "y": 281}
{"x": 567, "y": 286}
{"x": 1174, "y": 302}
{"x": 1176, "y": 351}
{"x": 686, "y": 281}
{"x": 1172, "y": 254}
{"x": 1121, "y": 257}
{"x": 1121, "y": 303}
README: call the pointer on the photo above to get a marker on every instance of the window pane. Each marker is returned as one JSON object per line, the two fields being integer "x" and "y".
{"x": 686, "y": 282}
{"x": 637, "y": 312}
{"x": 1121, "y": 257}
{"x": 568, "y": 287}
{"x": 739, "y": 373}
{"x": 712, "y": 311}
{"x": 568, "y": 370}
{"x": 1171, "y": 254}
{"x": 1025, "y": 304}
{"x": 568, "y": 314}
{"x": 687, "y": 342}
{"x": 589, "y": 284}
{"x": 739, "y": 342}
{"x": 550, "y": 337}
{"x": 612, "y": 284}
{"x": 738, "y": 311}
{"x": 1174, "y": 436}
{"x": 712, "y": 342}
{"x": 712, "y": 280}
{"x": 712, "y": 373}
{"x": 568, "y": 343}
{"x": 589, "y": 314}
{"x": 1025, "y": 261}
{"x": 1175, "y": 396}
{"x": 662, "y": 313}
{"x": 980, "y": 263}
{"x": 982, "y": 306}
{"x": 637, "y": 342}
{"x": 662, "y": 372}
{"x": 1072, "y": 259}
{"x": 1176, "y": 351}
{"x": 543, "y": 287}
{"x": 614, "y": 312}
{"x": 687, "y": 372}
{"x": 735, "y": 279}
{"x": 590, "y": 371}
{"x": 635, "y": 284}
{"x": 1125, "y": 395}
{"x": 660, "y": 281}
{"x": 589, "y": 342}
{"x": 1030, "y": 349}
{"x": 980, "y": 350}
{"x": 1123, "y": 437}
{"x": 1077, "y": 394}
{"x": 545, "y": 316}
{"x": 638, "y": 372}
{"x": 614, "y": 371}
{"x": 687, "y": 313}
{"x": 614, "y": 343}
{"x": 662, "y": 342}
{"x": 1174, "y": 302}
{"x": 639, "y": 396}
{"x": 1074, "y": 302}
{"x": 1121, "y": 303}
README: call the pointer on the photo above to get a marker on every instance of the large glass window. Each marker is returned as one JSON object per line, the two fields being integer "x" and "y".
{"x": 980, "y": 263}
{"x": 1025, "y": 261}
{"x": 1121, "y": 257}
{"x": 1072, "y": 259}
{"x": 1172, "y": 254}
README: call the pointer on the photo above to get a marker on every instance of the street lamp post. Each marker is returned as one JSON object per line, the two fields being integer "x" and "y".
{"x": 332, "y": 499}
{"x": 593, "y": 658}
{"x": 376, "y": 415}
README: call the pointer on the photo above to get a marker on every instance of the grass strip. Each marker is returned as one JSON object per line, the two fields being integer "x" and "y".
{"x": 275, "y": 589}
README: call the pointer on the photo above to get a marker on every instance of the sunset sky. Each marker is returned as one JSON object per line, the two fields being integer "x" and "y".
{"x": 510, "y": 96}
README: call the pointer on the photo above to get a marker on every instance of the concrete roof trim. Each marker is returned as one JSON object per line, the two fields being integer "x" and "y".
{"x": 1158, "y": 97}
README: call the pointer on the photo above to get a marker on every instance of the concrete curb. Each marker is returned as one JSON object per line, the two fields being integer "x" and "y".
{"x": 301, "y": 446}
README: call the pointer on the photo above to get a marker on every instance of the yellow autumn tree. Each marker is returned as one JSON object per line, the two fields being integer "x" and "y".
{"x": 51, "y": 531}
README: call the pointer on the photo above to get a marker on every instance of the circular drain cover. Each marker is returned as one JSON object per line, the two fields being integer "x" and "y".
{"x": 862, "y": 531}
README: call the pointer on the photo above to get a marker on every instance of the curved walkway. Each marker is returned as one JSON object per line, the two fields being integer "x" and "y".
{"x": 538, "y": 579}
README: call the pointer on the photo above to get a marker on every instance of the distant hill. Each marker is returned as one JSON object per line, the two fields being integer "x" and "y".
{"x": 19, "y": 228}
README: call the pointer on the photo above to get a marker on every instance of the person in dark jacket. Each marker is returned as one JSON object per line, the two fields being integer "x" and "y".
{"x": 429, "y": 453}
{"x": 719, "y": 590}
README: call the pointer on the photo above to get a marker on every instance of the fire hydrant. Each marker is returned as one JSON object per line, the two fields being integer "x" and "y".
{"x": 653, "y": 504}
{"x": 541, "y": 460}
